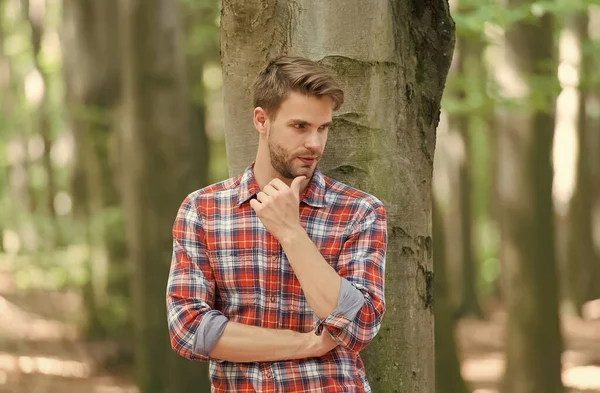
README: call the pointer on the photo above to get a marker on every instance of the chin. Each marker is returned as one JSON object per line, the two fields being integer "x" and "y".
{"x": 305, "y": 171}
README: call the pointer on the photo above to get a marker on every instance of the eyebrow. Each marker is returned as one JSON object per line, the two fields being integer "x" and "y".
{"x": 305, "y": 123}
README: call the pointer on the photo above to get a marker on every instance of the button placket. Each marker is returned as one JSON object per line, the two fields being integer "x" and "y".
{"x": 272, "y": 284}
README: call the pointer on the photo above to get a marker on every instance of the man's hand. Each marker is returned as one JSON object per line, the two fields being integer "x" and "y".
{"x": 277, "y": 207}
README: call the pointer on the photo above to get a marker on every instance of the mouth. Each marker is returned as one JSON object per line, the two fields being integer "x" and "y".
{"x": 308, "y": 160}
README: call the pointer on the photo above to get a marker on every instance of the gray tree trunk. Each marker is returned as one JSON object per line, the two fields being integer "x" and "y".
{"x": 392, "y": 58}
{"x": 158, "y": 168}
{"x": 533, "y": 345}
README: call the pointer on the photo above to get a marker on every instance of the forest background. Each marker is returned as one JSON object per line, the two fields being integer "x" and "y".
{"x": 515, "y": 218}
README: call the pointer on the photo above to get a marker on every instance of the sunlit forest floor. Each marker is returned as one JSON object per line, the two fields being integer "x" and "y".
{"x": 40, "y": 351}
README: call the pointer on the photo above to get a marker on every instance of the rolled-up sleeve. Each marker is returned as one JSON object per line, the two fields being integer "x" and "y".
{"x": 361, "y": 264}
{"x": 194, "y": 326}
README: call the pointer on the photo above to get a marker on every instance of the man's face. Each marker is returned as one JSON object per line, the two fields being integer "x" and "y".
{"x": 297, "y": 135}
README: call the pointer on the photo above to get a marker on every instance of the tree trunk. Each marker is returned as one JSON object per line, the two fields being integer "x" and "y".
{"x": 448, "y": 378}
{"x": 581, "y": 265}
{"x": 394, "y": 82}
{"x": 158, "y": 168}
{"x": 91, "y": 71}
{"x": 36, "y": 23}
{"x": 195, "y": 68}
{"x": 533, "y": 346}
{"x": 468, "y": 48}
{"x": 4, "y": 110}
{"x": 18, "y": 169}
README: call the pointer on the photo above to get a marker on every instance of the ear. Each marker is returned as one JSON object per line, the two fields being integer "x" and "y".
{"x": 261, "y": 120}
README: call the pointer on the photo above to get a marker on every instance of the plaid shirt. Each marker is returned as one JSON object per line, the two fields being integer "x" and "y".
{"x": 225, "y": 261}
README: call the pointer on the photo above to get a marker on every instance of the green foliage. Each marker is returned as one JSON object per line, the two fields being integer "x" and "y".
{"x": 473, "y": 16}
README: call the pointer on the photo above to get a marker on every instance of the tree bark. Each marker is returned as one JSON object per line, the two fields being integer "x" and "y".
{"x": 158, "y": 168}
{"x": 533, "y": 343}
{"x": 392, "y": 59}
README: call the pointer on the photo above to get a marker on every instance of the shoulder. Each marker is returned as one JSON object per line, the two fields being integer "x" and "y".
{"x": 225, "y": 191}
{"x": 357, "y": 202}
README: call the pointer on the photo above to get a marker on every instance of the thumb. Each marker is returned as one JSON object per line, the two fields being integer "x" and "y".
{"x": 296, "y": 183}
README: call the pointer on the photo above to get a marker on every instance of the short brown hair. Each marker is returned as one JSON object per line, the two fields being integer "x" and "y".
{"x": 286, "y": 74}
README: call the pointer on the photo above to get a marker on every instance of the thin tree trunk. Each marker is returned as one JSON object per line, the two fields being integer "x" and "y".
{"x": 4, "y": 107}
{"x": 158, "y": 170}
{"x": 582, "y": 239}
{"x": 17, "y": 173}
{"x": 448, "y": 378}
{"x": 467, "y": 49}
{"x": 533, "y": 343}
{"x": 382, "y": 139}
{"x": 91, "y": 71}
{"x": 581, "y": 265}
{"x": 36, "y": 17}
{"x": 195, "y": 68}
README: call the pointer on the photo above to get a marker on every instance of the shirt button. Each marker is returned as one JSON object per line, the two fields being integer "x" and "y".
{"x": 273, "y": 299}
{"x": 269, "y": 375}
{"x": 274, "y": 258}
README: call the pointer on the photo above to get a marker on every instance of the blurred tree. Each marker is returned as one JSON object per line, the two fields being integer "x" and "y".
{"x": 201, "y": 46}
{"x": 448, "y": 378}
{"x": 467, "y": 59}
{"x": 16, "y": 130}
{"x": 91, "y": 64}
{"x": 158, "y": 167}
{"x": 393, "y": 82}
{"x": 533, "y": 342}
{"x": 36, "y": 13}
{"x": 582, "y": 265}
{"x": 4, "y": 115}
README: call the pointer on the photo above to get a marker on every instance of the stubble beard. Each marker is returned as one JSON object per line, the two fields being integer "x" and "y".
{"x": 282, "y": 161}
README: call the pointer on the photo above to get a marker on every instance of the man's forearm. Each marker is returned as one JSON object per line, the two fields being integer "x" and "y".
{"x": 244, "y": 343}
{"x": 319, "y": 281}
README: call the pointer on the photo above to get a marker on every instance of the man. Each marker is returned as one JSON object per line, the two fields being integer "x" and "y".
{"x": 277, "y": 276}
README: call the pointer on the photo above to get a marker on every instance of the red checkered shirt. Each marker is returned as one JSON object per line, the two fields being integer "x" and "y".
{"x": 224, "y": 261}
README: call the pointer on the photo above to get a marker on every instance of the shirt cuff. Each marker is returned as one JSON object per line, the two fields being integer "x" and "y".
{"x": 350, "y": 301}
{"x": 209, "y": 331}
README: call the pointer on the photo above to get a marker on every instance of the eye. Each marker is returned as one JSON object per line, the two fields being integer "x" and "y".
{"x": 299, "y": 126}
{"x": 324, "y": 128}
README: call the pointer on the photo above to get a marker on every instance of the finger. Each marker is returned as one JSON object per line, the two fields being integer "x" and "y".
{"x": 296, "y": 183}
{"x": 269, "y": 190}
{"x": 278, "y": 184}
{"x": 262, "y": 197}
{"x": 254, "y": 204}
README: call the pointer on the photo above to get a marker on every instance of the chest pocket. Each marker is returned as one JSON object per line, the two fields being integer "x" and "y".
{"x": 238, "y": 276}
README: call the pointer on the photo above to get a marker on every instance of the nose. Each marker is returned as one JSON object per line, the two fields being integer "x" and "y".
{"x": 313, "y": 141}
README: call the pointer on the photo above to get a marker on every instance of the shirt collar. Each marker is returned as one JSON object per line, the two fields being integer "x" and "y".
{"x": 314, "y": 195}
